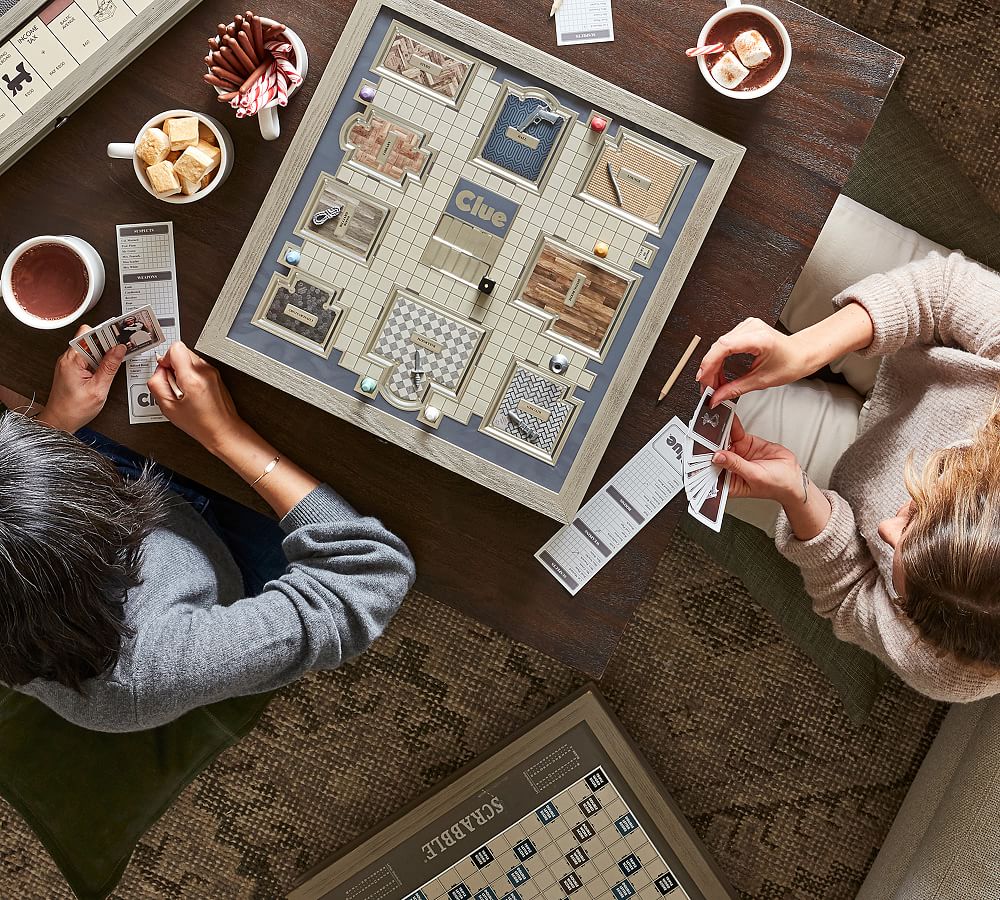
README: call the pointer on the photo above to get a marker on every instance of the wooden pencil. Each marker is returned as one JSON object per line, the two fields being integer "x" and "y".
{"x": 681, "y": 363}
{"x": 555, "y": 7}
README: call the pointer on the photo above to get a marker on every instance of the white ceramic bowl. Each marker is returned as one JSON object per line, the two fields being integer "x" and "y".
{"x": 222, "y": 138}
{"x": 95, "y": 276}
{"x": 732, "y": 8}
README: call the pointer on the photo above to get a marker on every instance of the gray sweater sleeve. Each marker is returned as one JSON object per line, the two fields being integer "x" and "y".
{"x": 347, "y": 576}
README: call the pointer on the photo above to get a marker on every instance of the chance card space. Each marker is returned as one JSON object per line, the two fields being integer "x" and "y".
{"x": 554, "y": 814}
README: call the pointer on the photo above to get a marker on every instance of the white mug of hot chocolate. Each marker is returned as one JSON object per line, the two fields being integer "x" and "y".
{"x": 32, "y": 296}
{"x": 732, "y": 62}
{"x": 267, "y": 116}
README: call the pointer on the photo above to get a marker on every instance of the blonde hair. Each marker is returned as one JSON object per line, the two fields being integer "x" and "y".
{"x": 951, "y": 548}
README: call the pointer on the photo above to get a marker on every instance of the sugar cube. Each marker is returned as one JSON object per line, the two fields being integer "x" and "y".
{"x": 751, "y": 48}
{"x": 729, "y": 71}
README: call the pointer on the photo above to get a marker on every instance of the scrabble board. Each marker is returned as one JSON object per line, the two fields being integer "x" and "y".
{"x": 54, "y": 55}
{"x": 567, "y": 810}
{"x": 454, "y": 257}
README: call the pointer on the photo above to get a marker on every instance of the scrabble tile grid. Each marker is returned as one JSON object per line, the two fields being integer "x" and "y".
{"x": 582, "y": 844}
{"x": 52, "y": 44}
{"x": 516, "y": 333}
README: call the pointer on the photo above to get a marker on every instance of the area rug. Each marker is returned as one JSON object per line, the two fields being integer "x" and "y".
{"x": 791, "y": 798}
{"x": 949, "y": 80}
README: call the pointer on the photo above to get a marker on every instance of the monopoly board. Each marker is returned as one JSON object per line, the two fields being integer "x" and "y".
{"x": 470, "y": 249}
{"x": 565, "y": 811}
{"x": 55, "y": 53}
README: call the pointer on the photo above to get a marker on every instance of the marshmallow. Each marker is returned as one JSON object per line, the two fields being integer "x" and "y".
{"x": 751, "y": 48}
{"x": 205, "y": 133}
{"x": 194, "y": 164}
{"x": 729, "y": 71}
{"x": 212, "y": 152}
{"x": 190, "y": 187}
{"x": 163, "y": 179}
{"x": 153, "y": 146}
{"x": 182, "y": 132}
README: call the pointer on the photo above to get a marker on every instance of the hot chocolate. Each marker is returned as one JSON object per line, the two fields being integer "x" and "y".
{"x": 50, "y": 281}
{"x": 752, "y": 51}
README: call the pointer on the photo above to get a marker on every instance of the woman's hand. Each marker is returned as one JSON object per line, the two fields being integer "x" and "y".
{"x": 78, "y": 394}
{"x": 760, "y": 469}
{"x": 778, "y": 359}
{"x": 206, "y": 410}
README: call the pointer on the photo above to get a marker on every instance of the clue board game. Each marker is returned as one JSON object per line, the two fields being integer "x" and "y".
{"x": 54, "y": 54}
{"x": 567, "y": 810}
{"x": 470, "y": 249}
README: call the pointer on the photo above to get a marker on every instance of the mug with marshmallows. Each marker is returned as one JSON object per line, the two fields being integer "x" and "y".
{"x": 52, "y": 280}
{"x": 743, "y": 51}
{"x": 179, "y": 156}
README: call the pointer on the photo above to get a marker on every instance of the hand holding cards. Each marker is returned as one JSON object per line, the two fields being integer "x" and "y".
{"x": 137, "y": 331}
{"x": 706, "y": 484}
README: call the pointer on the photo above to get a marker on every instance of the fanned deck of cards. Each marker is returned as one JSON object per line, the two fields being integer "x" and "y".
{"x": 706, "y": 484}
{"x": 138, "y": 331}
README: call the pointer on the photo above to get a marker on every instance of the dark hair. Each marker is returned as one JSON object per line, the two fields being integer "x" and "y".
{"x": 71, "y": 532}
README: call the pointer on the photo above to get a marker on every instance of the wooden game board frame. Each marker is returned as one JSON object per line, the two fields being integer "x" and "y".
{"x": 87, "y": 79}
{"x": 585, "y": 706}
{"x": 562, "y": 504}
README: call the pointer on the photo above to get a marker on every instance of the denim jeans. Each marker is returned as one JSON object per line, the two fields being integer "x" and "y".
{"x": 253, "y": 539}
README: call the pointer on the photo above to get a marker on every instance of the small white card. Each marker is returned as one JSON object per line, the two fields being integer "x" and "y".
{"x": 584, "y": 22}
{"x": 617, "y": 512}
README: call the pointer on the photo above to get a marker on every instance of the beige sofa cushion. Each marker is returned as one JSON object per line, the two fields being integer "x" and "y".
{"x": 854, "y": 243}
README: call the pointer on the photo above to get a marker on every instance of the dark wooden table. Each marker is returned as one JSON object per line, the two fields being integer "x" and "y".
{"x": 474, "y": 549}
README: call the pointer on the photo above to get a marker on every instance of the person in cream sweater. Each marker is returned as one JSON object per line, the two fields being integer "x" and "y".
{"x": 901, "y": 551}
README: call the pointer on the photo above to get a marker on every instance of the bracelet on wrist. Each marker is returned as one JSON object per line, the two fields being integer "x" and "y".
{"x": 268, "y": 469}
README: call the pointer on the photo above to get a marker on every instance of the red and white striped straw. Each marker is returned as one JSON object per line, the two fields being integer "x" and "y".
{"x": 705, "y": 49}
{"x": 274, "y": 84}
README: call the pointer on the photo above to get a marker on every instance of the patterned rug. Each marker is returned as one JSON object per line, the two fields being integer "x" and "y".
{"x": 949, "y": 81}
{"x": 790, "y": 797}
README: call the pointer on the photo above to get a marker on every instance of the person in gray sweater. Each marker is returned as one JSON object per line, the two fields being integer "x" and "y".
{"x": 121, "y": 609}
{"x": 902, "y": 552}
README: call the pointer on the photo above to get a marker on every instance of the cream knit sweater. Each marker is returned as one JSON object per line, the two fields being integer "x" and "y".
{"x": 937, "y": 327}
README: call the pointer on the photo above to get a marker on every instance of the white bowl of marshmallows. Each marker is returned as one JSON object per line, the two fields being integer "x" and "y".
{"x": 179, "y": 156}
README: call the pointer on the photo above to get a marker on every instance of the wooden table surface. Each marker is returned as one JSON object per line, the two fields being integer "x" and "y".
{"x": 474, "y": 549}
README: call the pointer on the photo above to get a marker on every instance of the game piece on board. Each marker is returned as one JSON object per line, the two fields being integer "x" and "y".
{"x": 432, "y": 413}
{"x": 368, "y": 385}
{"x": 559, "y": 363}
{"x": 486, "y": 285}
{"x": 598, "y": 123}
{"x": 614, "y": 184}
{"x": 322, "y": 216}
{"x": 292, "y": 256}
{"x": 601, "y": 249}
{"x": 153, "y": 146}
{"x": 367, "y": 93}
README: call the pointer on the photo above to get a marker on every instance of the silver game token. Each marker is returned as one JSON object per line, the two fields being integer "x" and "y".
{"x": 558, "y": 364}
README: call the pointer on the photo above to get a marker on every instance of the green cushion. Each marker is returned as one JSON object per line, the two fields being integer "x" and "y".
{"x": 904, "y": 175}
{"x": 90, "y": 796}
{"x": 749, "y": 554}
